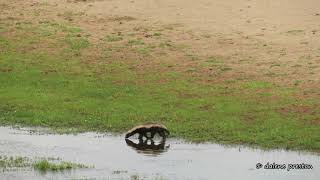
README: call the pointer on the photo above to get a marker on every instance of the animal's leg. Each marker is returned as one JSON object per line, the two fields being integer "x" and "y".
{"x": 162, "y": 134}
{"x": 152, "y": 134}
{"x": 152, "y": 142}
{"x": 144, "y": 134}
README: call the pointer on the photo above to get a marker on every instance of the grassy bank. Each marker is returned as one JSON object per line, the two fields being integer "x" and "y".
{"x": 54, "y": 75}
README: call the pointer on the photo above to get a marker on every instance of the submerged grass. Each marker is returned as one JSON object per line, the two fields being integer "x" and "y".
{"x": 11, "y": 162}
{"x": 45, "y": 165}
{"x": 55, "y": 87}
{"x": 8, "y": 162}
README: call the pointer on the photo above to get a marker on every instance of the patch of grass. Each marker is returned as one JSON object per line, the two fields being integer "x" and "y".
{"x": 77, "y": 43}
{"x": 206, "y": 35}
{"x": 13, "y": 162}
{"x": 192, "y": 57}
{"x": 216, "y": 63}
{"x": 7, "y": 163}
{"x": 114, "y": 38}
{"x": 144, "y": 50}
{"x": 119, "y": 172}
{"x": 190, "y": 70}
{"x": 68, "y": 15}
{"x": 4, "y": 43}
{"x": 295, "y": 31}
{"x": 134, "y": 177}
{"x": 45, "y": 165}
{"x": 257, "y": 85}
{"x": 157, "y": 34}
{"x": 296, "y": 82}
{"x": 165, "y": 44}
{"x": 212, "y": 62}
{"x": 225, "y": 68}
{"x": 133, "y": 42}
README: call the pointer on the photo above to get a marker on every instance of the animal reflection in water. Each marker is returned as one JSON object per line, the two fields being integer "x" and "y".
{"x": 146, "y": 143}
{"x": 148, "y": 146}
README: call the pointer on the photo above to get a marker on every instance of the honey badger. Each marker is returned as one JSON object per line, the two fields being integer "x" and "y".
{"x": 148, "y": 129}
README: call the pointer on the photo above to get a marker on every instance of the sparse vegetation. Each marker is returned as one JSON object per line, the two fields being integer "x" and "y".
{"x": 134, "y": 177}
{"x": 77, "y": 43}
{"x": 114, "y": 38}
{"x": 119, "y": 172}
{"x": 157, "y": 34}
{"x": 45, "y": 165}
{"x": 10, "y": 162}
{"x": 133, "y": 42}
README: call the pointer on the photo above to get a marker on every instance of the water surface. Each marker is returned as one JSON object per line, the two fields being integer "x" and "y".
{"x": 114, "y": 158}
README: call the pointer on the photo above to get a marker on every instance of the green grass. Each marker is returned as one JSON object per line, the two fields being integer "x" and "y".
{"x": 113, "y": 38}
{"x": 157, "y": 34}
{"x": 54, "y": 87}
{"x": 258, "y": 85}
{"x": 10, "y": 162}
{"x": 77, "y": 43}
{"x": 45, "y": 165}
{"x": 7, "y": 162}
{"x": 144, "y": 50}
{"x": 133, "y": 42}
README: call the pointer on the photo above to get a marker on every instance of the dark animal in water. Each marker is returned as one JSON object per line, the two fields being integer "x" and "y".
{"x": 148, "y": 131}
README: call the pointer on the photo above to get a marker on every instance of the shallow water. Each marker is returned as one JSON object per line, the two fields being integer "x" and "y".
{"x": 114, "y": 159}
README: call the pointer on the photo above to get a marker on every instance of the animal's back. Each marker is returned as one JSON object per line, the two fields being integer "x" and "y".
{"x": 146, "y": 127}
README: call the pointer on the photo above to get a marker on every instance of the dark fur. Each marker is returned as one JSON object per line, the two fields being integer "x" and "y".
{"x": 151, "y": 129}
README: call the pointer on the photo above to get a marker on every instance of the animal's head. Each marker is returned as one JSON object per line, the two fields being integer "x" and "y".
{"x": 127, "y": 136}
